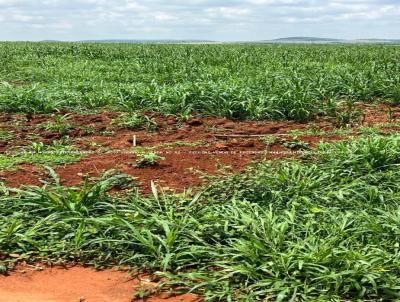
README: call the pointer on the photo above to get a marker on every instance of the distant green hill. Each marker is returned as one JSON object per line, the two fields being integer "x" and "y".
{"x": 306, "y": 39}
{"x": 146, "y": 41}
{"x": 317, "y": 40}
{"x": 286, "y": 40}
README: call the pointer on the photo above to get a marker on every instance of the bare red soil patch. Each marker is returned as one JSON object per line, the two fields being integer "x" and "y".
{"x": 78, "y": 284}
{"x": 198, "y": 145}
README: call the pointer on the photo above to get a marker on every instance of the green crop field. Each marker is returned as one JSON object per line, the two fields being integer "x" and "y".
{"x": 323, "y": 225}
{"x": 321, "y": 230}
{"x": 235, "y": 81}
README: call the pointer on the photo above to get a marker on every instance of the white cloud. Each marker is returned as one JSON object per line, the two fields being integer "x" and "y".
{"x": 274, "y": 2}
{"x": 23, "y": 18}
{"x": 162, "y": 16}
{"x": 227, "y": 12}
{"x": 203, "y": 19}
{"x": 133, "y": 6}
{"x": 62, "y": 25}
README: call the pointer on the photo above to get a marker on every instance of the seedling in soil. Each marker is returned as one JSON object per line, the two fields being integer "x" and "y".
{"x": 184, "y": 116}
{"x": 87, "y": 130}
{"x": 370, "y": 131}
{"x": 39, "y": 153}
{"x": 183, "y": 144}
{"x": 390, "y": 124}
{"x": 32, "y": 137}
{"x": 135, "y": 121}
{"x": 57, "y": 145}
{"x": 269, "y": 140}
{"x": 350, "y": 115}
{"x": 340, "y": 131}
{"x": 391, "y": 115}
{"x": 143, "y": 293}
{"x": 148, "y": 159}
{"x": 95, "y": 144}
{"x": 316, "y": 131}
{"x": 60, "y": 125}
{"x": 107, "y": 133}
{"x": 6, "y": 135}
{"x": 313, "y": 129}
{"x": 37, "y": 147}
{"x": 296, "y": 144}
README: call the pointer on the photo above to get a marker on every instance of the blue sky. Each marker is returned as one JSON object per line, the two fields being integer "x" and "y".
{"x": 197, "y": 19}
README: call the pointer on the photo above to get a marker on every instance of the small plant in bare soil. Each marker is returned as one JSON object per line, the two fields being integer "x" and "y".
{"x": 135, "y": 121}
{"x": 61, "y": 145}
{"x": 58, "y": 152}
{"x": 183, "y": 143}
{"x": 107, "y": 133}
{"x": 269, "y": 140}
{"x": 184, "y": 116}
{"x": 348, "y": 114}
{"x": 6, "y": 135}
{"x": 87, "y": 130}
{"x": 143, "y": 293}
{"x": 36, "y": 147}
{"x": 295, "y": 144}
{"x": 148, "y": 159}
{"x": 370, "y": 130}
{"x": 316, "y": 131}
{"x": 391, "y": 114}
{"x": 59, "y": 125}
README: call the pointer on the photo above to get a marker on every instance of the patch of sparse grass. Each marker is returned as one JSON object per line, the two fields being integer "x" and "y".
{"x": 312, "y": 131}
{"x": 107, "y": 133}
{"x": 32, "y": 137}
{"x": 148, "y": 159}
{"x": 135, "y": 121}
{"x": 315, "y": 131}
{"x": 168, "y": 145}
{"x": 370, "y": 131}
{"x": 38, "y": 153}
{"x": 389, "y": 124}
{"x": 184, "y": 116}
{"x": 59, "y": 125}
{"x": 270, "y": 140}
{"x": 348, "y": 113}
{"x": 8, "y": 162}
{"x": 87, "y": 130}
{"x": 295, "y": 144}
{"x": 343, "y": 131}
{"x": 6, "y": 135}
{"x": 181, "y": 144}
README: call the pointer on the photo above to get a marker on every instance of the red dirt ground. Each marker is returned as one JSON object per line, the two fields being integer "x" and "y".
{"x": 200, "y": 144}
{"x": 78, "y": 284}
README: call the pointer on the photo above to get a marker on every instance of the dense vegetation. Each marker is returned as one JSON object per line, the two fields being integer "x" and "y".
{"x": 324, "y": 228}
{"x": 237, "y": 81}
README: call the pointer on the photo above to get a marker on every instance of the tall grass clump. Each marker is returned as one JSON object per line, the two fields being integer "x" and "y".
{"x": 324, "y": 228}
